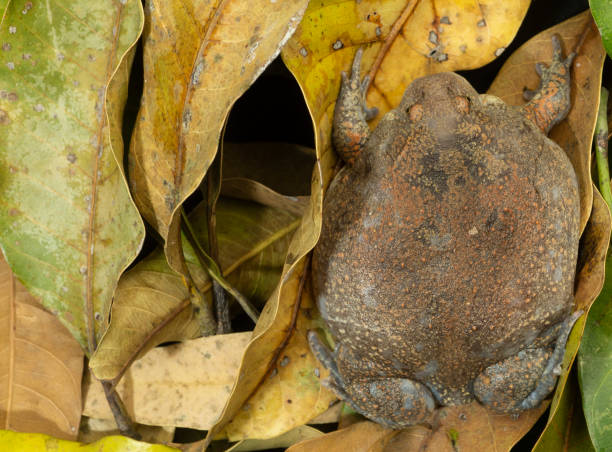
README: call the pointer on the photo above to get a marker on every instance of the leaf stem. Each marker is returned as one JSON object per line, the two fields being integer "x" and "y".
{"x": 215, "y": 273}
{"x": 122, "y": 418}
{"x": 601, "y": 148}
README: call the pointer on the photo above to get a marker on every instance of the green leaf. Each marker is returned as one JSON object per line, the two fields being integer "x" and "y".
{"x": 602, "y": 13}
{"x": 595, "y": 366}
{"x": 68, "y": 226}
{"x": 37, "y": 442}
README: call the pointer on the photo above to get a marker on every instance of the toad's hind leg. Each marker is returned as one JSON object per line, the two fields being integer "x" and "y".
{"x": 549, "y": 104}
{"x": 393, "y": 402}
{"x": 522, "y": 381}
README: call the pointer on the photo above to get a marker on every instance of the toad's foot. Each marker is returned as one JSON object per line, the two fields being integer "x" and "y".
{"x": 550, "y": 103}
{"x": 392, "y": 402}
{"x": 351, "y": 130}
{"x": 522, "y": 381}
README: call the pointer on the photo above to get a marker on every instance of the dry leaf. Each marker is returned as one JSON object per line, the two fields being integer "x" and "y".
{"x": 40, "y": 365}
{"x": 474, "y": 427}
{"x": 198, "y": 59}
{"x": 356, "y": 438}
{"x": 291, "y": 394}
{"x": 575, "y": 133}
{"x": 181, "y": 385}
{"x": 93, "y": 429}
{"x": 283, "y": 167}
{"x": 152, "y": 304}
{"x": 68, "y": 225}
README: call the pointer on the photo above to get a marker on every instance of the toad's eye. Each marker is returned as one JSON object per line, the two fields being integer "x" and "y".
{"x": 462, "y": 104}
{"x": 415, "y": 112}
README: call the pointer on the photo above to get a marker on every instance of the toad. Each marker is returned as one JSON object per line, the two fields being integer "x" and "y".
{"x": 447, "y": 255}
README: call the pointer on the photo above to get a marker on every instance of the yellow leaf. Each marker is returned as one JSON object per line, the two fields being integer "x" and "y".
{"x": 198, "y": 59}
{"x": 36, "y": 442}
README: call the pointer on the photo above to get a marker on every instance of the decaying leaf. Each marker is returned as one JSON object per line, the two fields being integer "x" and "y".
{"x": 44, "y": 443}
{"x": 68, "y": 226}
{"x": 152, "y": 304}
{"x": 181, "y": 385}
{"x": 575, "y": 133}
{"x": 40, "y": 365}
{"x": 292, "y": 387}
{"x": 198, "y": 59}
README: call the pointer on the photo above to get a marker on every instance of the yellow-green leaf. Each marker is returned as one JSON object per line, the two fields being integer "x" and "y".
{"x": 68, "y": 226}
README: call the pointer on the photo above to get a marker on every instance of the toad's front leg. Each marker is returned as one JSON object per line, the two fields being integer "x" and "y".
{"x": 351, "y": 131}
{"x": 550, "y": 103}
{"x": 391, "y": 401}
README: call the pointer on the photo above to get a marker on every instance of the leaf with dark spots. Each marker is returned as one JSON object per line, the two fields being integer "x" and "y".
{"x": 68, "y": 226}
{"x": 197, "y": 62}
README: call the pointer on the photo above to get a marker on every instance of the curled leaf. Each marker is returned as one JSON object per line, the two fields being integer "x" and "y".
{"x": 198, "y": 59}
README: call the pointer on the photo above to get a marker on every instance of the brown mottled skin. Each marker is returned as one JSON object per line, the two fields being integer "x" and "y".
{"x": 447, "y": 256}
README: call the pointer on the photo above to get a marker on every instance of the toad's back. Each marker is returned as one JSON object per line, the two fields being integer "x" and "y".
{"x": 449, "y": 245}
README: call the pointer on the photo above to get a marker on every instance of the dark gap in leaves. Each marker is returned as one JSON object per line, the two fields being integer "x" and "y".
{"x": 240, "y": 320}
{"x": 542, "y": 14}
{"x": 272, "y": 109}
{"x": 528, "y": 441}
{"x": 187, "y": 435}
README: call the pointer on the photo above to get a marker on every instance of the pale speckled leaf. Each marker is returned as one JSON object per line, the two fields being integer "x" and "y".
{"x": 68, "y": 226}
{"x": 152, "y": 304}
{"x": 182, "y": 385}
{"x": 40, "y": 365}
{"x": 199, "y": 57}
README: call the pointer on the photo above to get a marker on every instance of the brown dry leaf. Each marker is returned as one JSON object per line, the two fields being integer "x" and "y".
{"x": 40, "y": 365}
{"x": 474, "y": 427}
{"x": 356, "y": 438}
{"x": 283, "y": 167}
{"x": 575, "y": 133}
{"x": 360, "y": 437}
{"x": 199, "y": 57}
{"x": 152, "y": 304}
{"x": 181, "y": 385}
{"x": 93, "y": 429}
{"x": 291, "y": 394}
{"x": 242, "y": 188}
